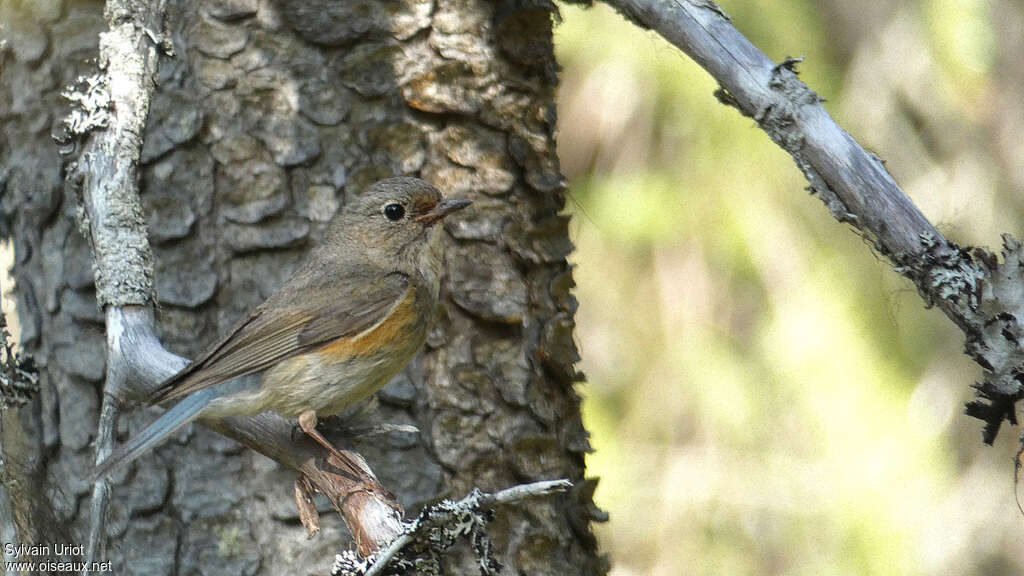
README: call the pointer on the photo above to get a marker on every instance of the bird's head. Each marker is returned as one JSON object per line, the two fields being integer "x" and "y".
{"x": 395, "y": 222}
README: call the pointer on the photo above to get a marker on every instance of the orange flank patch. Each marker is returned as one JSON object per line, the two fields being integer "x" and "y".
{"x": 395, "y": 328}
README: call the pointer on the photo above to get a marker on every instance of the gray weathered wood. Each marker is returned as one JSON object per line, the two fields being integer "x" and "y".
{"x": 980, "y": 295}
{"x": 854, "y": 184}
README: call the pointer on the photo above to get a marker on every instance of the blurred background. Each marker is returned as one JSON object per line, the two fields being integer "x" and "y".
{"x": 765, "y": 395}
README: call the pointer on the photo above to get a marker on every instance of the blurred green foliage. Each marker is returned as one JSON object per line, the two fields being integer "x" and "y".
{"x": 765, "y": 395}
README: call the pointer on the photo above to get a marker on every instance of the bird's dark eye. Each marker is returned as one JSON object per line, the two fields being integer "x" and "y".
{"x": 394, "y": 212}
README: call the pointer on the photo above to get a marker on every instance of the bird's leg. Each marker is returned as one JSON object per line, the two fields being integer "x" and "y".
{"x": 364, "y": 483}
{"x": 308, "y": 421}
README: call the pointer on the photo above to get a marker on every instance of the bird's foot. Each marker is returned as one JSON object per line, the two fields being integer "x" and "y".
{"x": 308, "y": 422}
{"x": 362, "y": 480}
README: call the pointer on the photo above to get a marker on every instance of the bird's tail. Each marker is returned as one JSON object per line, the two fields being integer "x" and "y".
{"x": 177, "y": 416}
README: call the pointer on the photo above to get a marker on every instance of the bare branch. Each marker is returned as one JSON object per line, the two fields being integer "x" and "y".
{"x": 115, "y": 105}
{"x": 982, "y": 296}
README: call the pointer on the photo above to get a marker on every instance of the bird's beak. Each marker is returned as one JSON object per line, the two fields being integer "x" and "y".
{"x": 443, "y": 208}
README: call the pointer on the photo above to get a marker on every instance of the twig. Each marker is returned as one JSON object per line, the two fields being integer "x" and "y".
{"x": 439, "y": 525}
{"x": 976, "y": 291}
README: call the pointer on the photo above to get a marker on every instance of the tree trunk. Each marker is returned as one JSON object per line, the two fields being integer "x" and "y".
{"x": 269, "y": 117}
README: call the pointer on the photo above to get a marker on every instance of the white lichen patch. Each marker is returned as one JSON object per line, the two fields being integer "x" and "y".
{"x": 90, "y": 98}
{"x": 348, "y": 563}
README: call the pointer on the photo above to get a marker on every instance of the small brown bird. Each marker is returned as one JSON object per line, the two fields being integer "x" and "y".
{"x": 340, "y": 328}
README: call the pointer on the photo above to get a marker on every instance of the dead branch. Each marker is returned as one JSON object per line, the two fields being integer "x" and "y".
{"x": 438, "y": 527}
{"x": 981, "y": 295}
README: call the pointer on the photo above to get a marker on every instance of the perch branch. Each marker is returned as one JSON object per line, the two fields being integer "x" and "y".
{"x": 978, "y": 293}
{"x": 111, "y": 114}
{"x": 439, "y": 525}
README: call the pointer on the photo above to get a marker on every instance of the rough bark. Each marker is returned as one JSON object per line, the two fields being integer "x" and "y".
{"x": 273, "y": 113}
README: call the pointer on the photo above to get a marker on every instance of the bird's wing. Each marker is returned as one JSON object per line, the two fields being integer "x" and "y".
{"x": 299, "y": 318}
